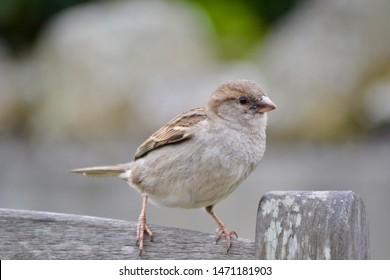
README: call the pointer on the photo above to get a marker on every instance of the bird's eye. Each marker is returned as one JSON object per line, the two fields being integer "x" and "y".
{"x": 243, "y": 100}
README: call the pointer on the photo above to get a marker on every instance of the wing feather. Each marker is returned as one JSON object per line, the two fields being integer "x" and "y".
{"x": 178, "y": 129}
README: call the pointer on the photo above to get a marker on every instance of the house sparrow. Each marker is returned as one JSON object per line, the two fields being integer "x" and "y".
{"x": 199, "y": 157}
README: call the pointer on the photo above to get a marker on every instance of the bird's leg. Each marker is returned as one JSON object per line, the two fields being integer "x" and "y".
{"x": 142, "y": 227}
{"x": 221, "y": 230}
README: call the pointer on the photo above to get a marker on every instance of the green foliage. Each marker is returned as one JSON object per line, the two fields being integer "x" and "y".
{"x": 240, "y": 24}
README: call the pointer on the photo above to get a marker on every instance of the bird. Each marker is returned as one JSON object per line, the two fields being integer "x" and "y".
{"x": 199, "y": 157}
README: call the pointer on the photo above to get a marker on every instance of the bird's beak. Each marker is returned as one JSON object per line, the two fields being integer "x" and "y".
{"x": 265, "y": 105}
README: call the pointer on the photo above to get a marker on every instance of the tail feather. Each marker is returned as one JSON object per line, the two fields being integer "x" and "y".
{"x": 100, "y": 171}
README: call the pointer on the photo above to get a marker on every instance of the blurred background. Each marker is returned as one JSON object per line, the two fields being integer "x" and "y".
{"x": 85, "y": 82}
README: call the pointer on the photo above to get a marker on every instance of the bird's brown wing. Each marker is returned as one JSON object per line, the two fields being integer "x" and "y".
{"x": 178, "y": 129}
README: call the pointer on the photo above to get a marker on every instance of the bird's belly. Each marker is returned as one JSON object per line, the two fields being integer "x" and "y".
{"x": 196, "y": 180}
{"x": 192, "y": 196}
{"x": 195, "y": 187}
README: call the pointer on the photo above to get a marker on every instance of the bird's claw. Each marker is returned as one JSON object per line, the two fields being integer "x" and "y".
{"x": 141, "y": 229}
{"x": 222, "y": 231}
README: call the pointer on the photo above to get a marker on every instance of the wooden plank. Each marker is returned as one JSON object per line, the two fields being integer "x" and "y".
{"x": 41, "y": 235}
{"x": 311, "y": 225}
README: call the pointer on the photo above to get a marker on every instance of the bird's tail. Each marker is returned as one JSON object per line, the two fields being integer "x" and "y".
{"x": 119, "y": 170}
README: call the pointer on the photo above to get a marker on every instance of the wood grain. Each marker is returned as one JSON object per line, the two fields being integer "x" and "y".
{"x": 41, "y": 235}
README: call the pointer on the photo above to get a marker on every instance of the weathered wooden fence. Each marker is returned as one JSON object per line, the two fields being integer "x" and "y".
{"x": 290, "y": 225}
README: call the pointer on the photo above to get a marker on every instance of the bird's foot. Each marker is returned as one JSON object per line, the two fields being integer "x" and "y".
{"x": 222, "y": 231}
{"x": 141, "y": 229}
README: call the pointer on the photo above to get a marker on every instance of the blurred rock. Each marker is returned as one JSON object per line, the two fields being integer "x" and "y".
{"x": 318, "y": 61}
{"x": 111, "y": 68}
{"x": 12, "y": 106}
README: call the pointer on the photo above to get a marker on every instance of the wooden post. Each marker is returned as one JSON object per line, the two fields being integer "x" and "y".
{"x": 311, "y": 225}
